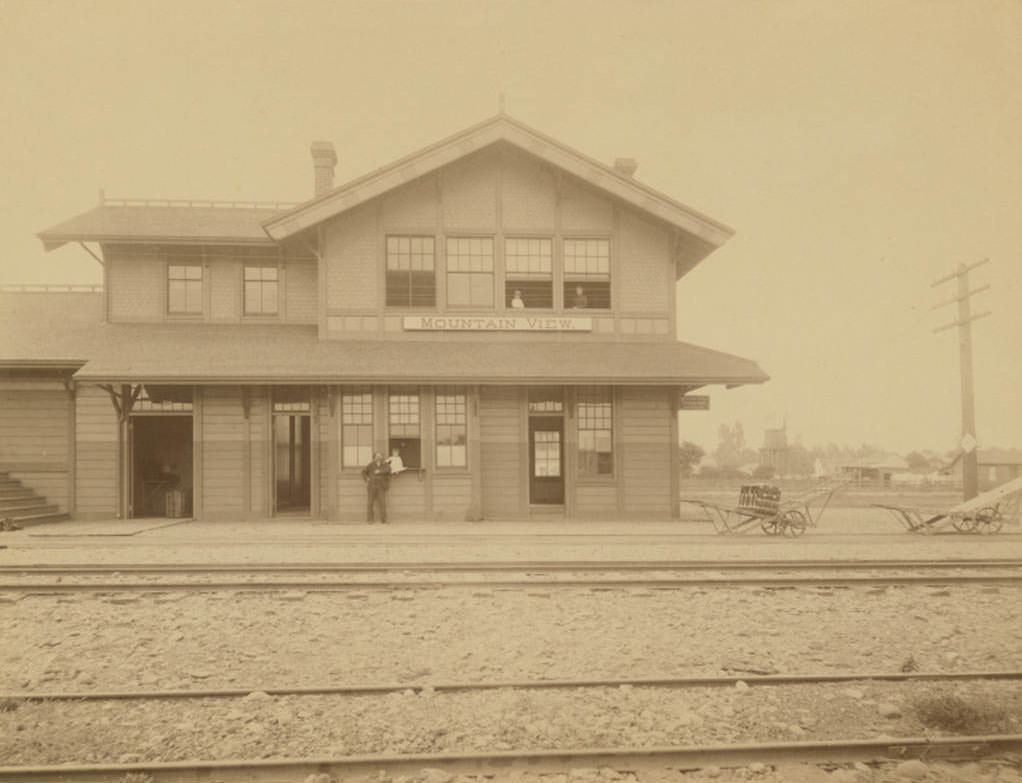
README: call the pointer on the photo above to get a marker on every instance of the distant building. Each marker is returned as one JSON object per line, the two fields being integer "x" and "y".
{"x": 996, "y": 466}
{"x": 776, "y": 453}
{"x": 874, "y": 469}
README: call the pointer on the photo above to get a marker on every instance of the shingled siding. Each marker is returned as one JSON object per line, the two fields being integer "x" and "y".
{"x": 302, "y": 301}
{"x": 95, "y": 454}
{"x": 646, "y": 278}
{"x": 645, "y": 446}
{"x": 223, "y": 435}
{"x": 501, "y": 439}
{"x": 136, "y": 287}
{"x": 350, "y": 254}
{"x": 34, "y": 446}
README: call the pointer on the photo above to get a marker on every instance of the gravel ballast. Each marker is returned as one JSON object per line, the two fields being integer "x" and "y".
{"x": 123, "y": 641}
{"x": 264, "y": 726}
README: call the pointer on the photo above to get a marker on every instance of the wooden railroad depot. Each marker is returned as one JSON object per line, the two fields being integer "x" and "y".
{"x": 498, "y": 310}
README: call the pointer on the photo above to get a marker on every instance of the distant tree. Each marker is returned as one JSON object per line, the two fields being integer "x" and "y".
{"x": 917, "y": 461}
{"x": 689, "y": 456}
{"x": 730, "y": 451}
{"x": 800, "y": 460}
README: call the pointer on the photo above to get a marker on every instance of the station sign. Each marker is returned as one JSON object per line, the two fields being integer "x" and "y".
{"x": 694, "y": 402}
{"x": 516, "y": 323}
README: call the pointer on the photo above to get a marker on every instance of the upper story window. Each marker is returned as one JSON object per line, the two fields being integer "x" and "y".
{"x": 586, "y": 273}
{"x": 451, "y": 430}
{"x": 595, "y": 416}
{"x": 411, "y": 279}
{"x": 184, "y": 289}
{"x": 261, "y": 290}
{"x": 357, "y": 428}
{"x": 470, "y": 272}
{"x": 528, "y": 276}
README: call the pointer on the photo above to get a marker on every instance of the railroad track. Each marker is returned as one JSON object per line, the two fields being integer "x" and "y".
{"x": 508, "y": 566}
{"x": 596, "y": 575}
{"x": 748, "y": 677}
{"x": 44, "y": 588}
{"x": 537, "y": 761}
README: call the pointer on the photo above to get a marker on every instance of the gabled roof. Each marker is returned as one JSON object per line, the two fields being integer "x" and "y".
{"x": 225, "y": 354}
{"x": 501, "y": 128}
{"x": 165, "y": 221}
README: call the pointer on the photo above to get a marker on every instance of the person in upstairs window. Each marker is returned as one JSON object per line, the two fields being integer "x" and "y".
{"x": 581, "y": 301}
{"x": 516, "y": 301}
{"x": 376, "y": 475}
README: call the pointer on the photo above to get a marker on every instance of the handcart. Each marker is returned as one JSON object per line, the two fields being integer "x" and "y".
{"x": 984, "y": 514}
{"x": 760, "y": 506}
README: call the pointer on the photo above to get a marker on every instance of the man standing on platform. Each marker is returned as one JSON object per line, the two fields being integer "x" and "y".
{"x": 377, "y": 477}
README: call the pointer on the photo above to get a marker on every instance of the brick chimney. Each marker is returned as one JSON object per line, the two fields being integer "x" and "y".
{"x": 626, "y": 166}
{"x": 323, "y": 161}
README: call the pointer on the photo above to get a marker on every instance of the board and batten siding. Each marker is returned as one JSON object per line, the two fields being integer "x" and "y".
{"x": 96, "y": 466}
{"x": 35, "y": 444}
{"x": 452, "y": 496}
{"x": 223, "y": 436}
{"x": 644, "y": 418}
{"x": 501, "y": 444}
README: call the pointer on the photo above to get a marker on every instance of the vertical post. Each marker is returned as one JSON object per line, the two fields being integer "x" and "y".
{"x": 970, "y": 468}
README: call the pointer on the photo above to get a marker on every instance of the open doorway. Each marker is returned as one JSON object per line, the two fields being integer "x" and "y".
{"x": 292, "y": 462}
{"x": 161, "y": 466}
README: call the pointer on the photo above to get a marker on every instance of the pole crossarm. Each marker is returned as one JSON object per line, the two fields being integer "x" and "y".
{"x": 955, "y": 299}
{"x": 962, "y": 323}
{"x": 958, "y": 272}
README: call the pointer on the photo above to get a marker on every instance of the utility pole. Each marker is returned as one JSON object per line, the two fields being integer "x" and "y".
{"x": 970, "y": 468}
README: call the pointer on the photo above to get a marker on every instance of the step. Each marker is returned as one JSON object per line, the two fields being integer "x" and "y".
{"x": 10, "y": 493}
{"x": 7, "y": 505}
{"x": 17, "y": 512}
{"x": 38, "y": 519}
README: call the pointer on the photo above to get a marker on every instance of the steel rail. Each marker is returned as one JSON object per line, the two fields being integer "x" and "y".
{"x": 537, "y": 760}
{"x": 934, "y": 580}
{"x": 525, "y": 565}
{"x": 523, "y": 685}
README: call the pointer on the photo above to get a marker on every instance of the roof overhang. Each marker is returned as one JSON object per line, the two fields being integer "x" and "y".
{"x": 295, "y": 355}
{"x": 498, "y": 129}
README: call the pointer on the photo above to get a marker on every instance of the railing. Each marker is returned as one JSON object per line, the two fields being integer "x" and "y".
{"x": 51, "y": 289}
{"x": 192, "y": 202}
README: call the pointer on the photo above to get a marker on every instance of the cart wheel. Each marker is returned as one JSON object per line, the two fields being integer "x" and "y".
{"x": 988, "y": 520}
{"x": 964, "y": 524}
{"x": 770, "y": 526}
{"x": 794, "y": 523}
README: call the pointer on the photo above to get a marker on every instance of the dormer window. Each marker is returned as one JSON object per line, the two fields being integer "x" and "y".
{"x": 184, "y": 289}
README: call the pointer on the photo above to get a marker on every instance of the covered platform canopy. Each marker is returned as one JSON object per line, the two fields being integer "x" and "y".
{"x": 229, "y": 354}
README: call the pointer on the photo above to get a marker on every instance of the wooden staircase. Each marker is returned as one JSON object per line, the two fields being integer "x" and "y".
{"x": 23, "y": 506}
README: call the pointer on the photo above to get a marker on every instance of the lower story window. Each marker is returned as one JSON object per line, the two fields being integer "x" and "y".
{"x": 595, "y": 432}
{"x": 356, "y": 429}
{"x": 405, "y": 435}
{"x": 451, "y": 430}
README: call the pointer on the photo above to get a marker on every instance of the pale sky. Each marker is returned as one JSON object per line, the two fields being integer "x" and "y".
{"x": 859, "y": 149}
